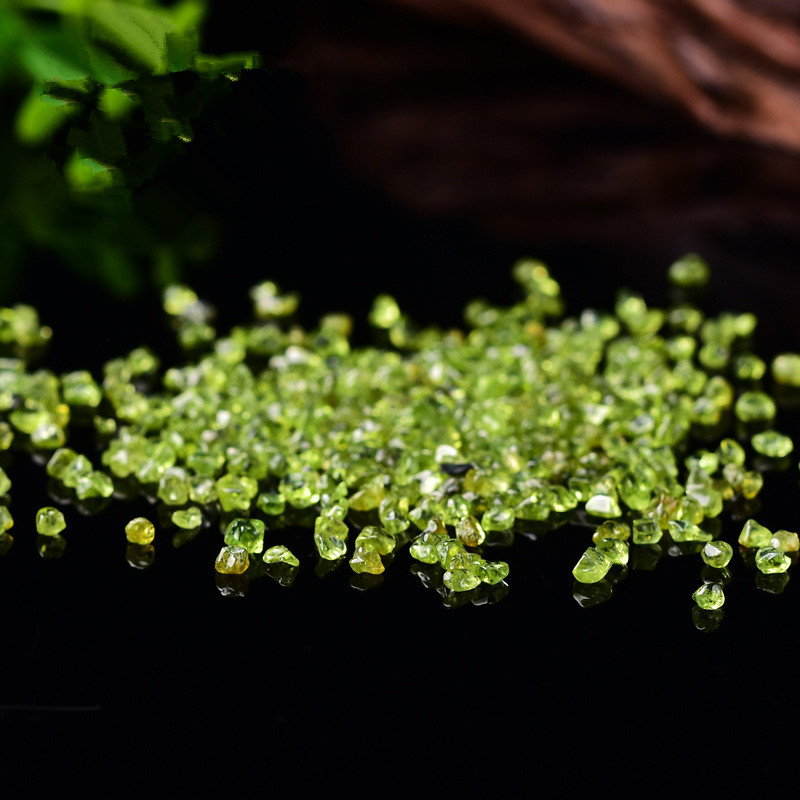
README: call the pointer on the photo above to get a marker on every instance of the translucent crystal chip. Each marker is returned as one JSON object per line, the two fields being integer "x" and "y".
{"x": 755, "y": 406}
{"x": 772, "y": 444}
{"x": 691, "y": 271}
{"x": 770, "y": 560}
{"x": 612, "y": 529}
{"x": 280, "y": 554}
{"x": 602, "y": 505}
{"x": 614, "y": 550}
{"x": 49, "y": 521}
{"x": 246, "y": 533}
{"x": 493, "y": 572}
{"x": 236, "y": 492}
{"x": 682, "y": 531}
{"x": 271, "y": 503}
{"x": 469, "y": 532}
{"x": 364, "y": 560}
{"x": 709, "y": 596}
{"x": 6, "y": 520}
{"x": 717, "y": 553}
{"x": 385, "y": 312}
{"x": 374, "y": 538}
{"x": 187, "y": 518}
{"x": 785, "y": 541}
{"x": 424, "y": 548}
{"x": 330, "y": 538}
{"x": 140, "y": 531}
{"x": 461, "y": 580}
{"x": 749, "y": 367}
{"x": 786, "y": 369}
{"x": 592, "y": 566}
{"x": 754, "y": 535}
{"x": 646, "y": 531}
{"x": 232, "y": 561}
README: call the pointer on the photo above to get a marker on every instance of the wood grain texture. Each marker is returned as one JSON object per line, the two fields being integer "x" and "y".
{"x": 734, "y": 65}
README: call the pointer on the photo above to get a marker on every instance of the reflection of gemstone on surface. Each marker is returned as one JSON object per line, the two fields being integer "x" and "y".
{"x": 707, "y": 620}
{"x": 140, "y": 556}
{"x": 51, "y": 547}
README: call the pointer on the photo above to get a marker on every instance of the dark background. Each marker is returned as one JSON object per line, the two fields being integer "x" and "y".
{"x": 151, "y": 683}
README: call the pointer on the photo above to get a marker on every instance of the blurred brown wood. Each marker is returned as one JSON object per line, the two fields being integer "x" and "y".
{"x": 733, "y": 64}
{"x": 471, "y": 125}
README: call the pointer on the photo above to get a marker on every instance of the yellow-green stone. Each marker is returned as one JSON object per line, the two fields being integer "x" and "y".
{"x": 373, "y": 538}
{"x": 236, "y": 492}
{"x": 6, "y": 542}
{"x": 770, "y": 560}
{"x": 280, "y": 554}
{"x": 682, "y": 531}
{"x": 772, "y": 444}
{"x": 393, "y": 514}
{"x": 330, "y": 537}
{"x": 497, "y": 518}
{"x": 424, "y": 547}
{"x": 786, "y": 369}
{"x": 709, "y": 596}
{"x": 187, "y": 518}
{"x": 592, "y": 566}
{"x": 49, "y": 521}
{"x": 368, "y": 561}
{"x": 689, "y": 272}
{"x": 751, "y": 485}
{"x": 461, "y": 580}
{"x": 614, "y": 550}
{"x": 602, "y": 505}
{"x": 6, "y": 520}
{"x": 178, "y": 299}
{"x": 173, "y": 488}
{"x": 754, "y": 535}
{"x": 5, "y": 482}
{"x": 6, "y": 436}
{"x": 246, "y": 533}
{"x": 755, "y": 407}
{"x": 271, "y": 503}
{"x": 749, "y": 367}
{"x": 729, "y": 452}
{"x": 469, "y": 532}
{"x": 785, "y": 541}
{"x": 140, "y": 531}
{"x": 232, "y": 561}
{"x": 646, "y": 531}
{"x": 612, "y": 529}
{"x": 493, "y": 572}
{"x": 717, "y": 554}
{"x": 448, "y": 550}
{"x": 385, "y": 312}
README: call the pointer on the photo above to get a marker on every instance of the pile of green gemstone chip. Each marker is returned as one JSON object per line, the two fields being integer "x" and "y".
{"x": 442, "y": 443}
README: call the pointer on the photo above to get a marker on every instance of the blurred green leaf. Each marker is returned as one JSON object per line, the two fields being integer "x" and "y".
{"x": 40, "y": 116}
